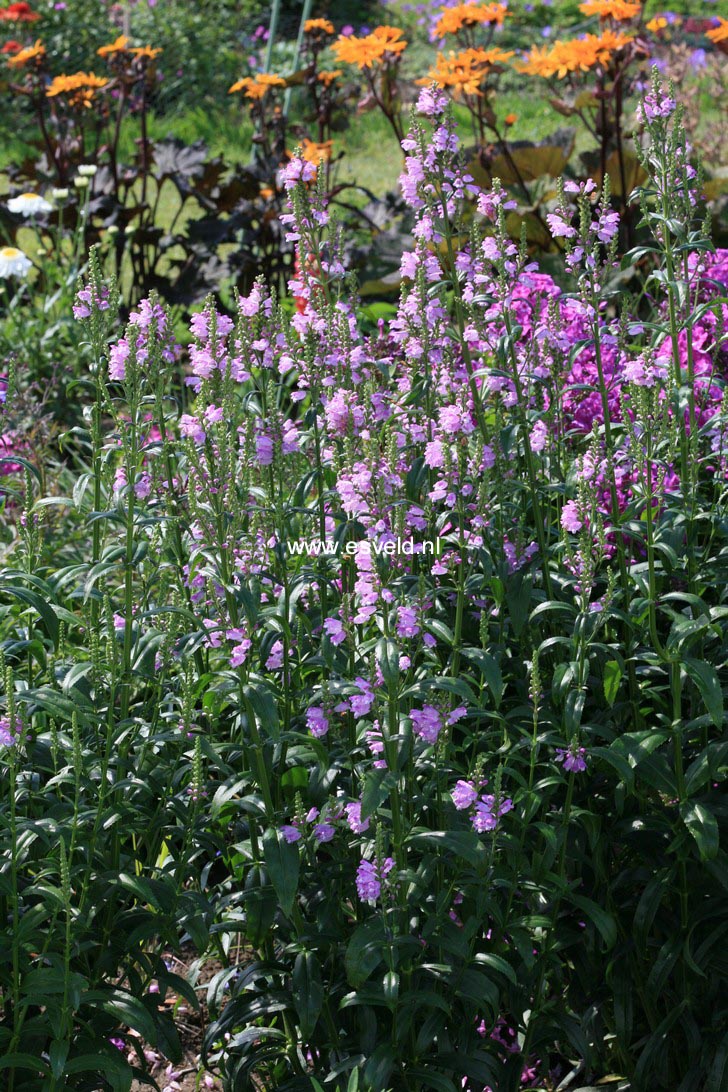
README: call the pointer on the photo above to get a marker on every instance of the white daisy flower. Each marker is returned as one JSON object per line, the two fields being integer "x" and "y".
{"x": 13, "y": 263}
{"x": 29, "y": 204}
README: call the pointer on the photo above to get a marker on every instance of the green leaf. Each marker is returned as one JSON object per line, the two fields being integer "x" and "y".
{"x": 379, "y": 1066}
{"x": 387, "y": 654}
{"x": 706, "y": 679}
{"x": 476, "y": 987}
{"x": 283, "y": 864}
{"x": 649, "y": 903}
{"x": 440, "y": 630}
{"x": 603, "y": 921}
{"x": 617, "y": 761}
{"x": 295, "y": 777}
{"x": 308, "y": 991}
{"x": 718, "y": 1076}
{"x": 703, "y": 826}
{"x": 38, "y": 604}
{"x": 645, "y": 1075}
{"x": 463, "y": 843}
{"x": 25, "y": 1061}
{"x": 263, "y": 703}
{"x": 705, "y": 767}
{"x": 115, "y": 1070}
{"x": 260, "y": 905}
{"x": 57, "y": 1054}
{"x": 364, "y": 952}
{"x": 378, "y": 784}
{"x": 612, "y": 679}
{"x": 636, "y": 747}
{"x": 125, "y": 1008}
{"x": 490, "y": 670}
{"x": 438, "y": 1082}
{"x": 140, "y": 887}
{"x": 518, "y": 596}
{"x": 496, "y": 963}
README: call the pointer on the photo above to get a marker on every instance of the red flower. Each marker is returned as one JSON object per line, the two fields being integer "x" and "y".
{"x": 19, "y": 13}
{"x": 11, "y": 47}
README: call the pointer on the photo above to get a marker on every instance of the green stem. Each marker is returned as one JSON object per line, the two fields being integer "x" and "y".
{"x": 305, "y": 15}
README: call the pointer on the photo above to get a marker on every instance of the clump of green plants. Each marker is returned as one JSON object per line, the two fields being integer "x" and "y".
{"x": 381, "y": 658}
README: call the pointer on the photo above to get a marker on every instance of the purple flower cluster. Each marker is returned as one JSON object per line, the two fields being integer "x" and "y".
{"x": 323, "y": 825}
{"x": 573, "y": 758}
{"x": 89, "y": 300}
{"x": 487, "y": 808}
{"x": 9, "y": 731}
{"x": 413, "y": 429}
{"x": 370, "y": 876}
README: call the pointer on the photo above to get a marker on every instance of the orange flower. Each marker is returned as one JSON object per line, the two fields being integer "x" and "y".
{"x": 469, "y": 15}
{"x": 32, "y": 53}
{"x": 145, "y": 51}
{"x": 510, "y": 119}
{"x": 719, "y": 33}
{"x": 243, "y": 84}
{"x": 119, "y": 46}
{"x": 19, "y": 13}
{"x": 578, "y": 55}
{"x": 658, "y": 23}
{"x": 328, "y": 77}
{"x": 463, "y": 73}
{"x": 611, "y": 9}
{"x": 365, "y": 52}
{"x": 316, "y": 153}
{"x": 312, "y": 26}
{"x": 268, "y": 79}
{"x": 256, "y": 87}
{"x": 80, "y": 88}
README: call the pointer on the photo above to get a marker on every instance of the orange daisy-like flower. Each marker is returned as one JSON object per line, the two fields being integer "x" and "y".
{"x": 258, "y": 86}
{"x": 119, "y": 46}
{"x": 318, "y": 26}
{"x": 719, "y": 33}
{"x": 146, "y": 51}
{"x": 327, "y": 77}
{"x": 658, "y": 23}
{"x": 316, "y": 153}
{"x": 19, "y": 13}
{"x": 365, "y": 52}
{"x": 269, "y": 79}
{"x": 607, "y": 43}
{"x": 469, "y": 15}
{"x": 243, "y": 84}
{"x": 611, "y": 9}
{"x": 578, "y": 55}
{"x": 463, "y": 73}
{"x": 80, "y": 88}
{"x": 24, "y": 56}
